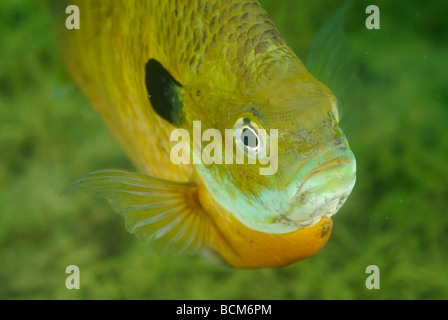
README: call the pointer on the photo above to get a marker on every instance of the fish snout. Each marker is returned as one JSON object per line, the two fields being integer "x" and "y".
{"x": 321, "y": 186}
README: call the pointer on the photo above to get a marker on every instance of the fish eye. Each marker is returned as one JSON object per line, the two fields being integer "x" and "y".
{"x": 249, "y": 138}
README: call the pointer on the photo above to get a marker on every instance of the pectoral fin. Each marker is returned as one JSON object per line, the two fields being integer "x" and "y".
{"x": 165, "y": 214}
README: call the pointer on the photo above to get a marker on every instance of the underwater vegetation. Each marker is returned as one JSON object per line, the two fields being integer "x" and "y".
{"x": 395, "y": 116}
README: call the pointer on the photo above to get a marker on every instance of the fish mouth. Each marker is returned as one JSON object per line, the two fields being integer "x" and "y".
{"x": 319, "y": 189}
{"x": 327, "y": 160}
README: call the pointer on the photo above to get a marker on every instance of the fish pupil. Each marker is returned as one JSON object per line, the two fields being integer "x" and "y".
{"x": 250, "y": 139}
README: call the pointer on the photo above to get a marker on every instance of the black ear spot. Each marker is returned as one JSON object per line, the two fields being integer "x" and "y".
{"x": 163, "y": 92}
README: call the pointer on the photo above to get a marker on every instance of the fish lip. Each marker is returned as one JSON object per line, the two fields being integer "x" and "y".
{"x": 338, "y": 156}
{"x": 308, "y": 207}
{"x": 334, "y": 163}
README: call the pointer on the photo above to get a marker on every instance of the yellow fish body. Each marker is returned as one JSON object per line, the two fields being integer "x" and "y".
{"x": 150, "y": 67}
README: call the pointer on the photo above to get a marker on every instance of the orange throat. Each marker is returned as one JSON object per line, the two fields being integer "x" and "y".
{"x": 242, "y": 247}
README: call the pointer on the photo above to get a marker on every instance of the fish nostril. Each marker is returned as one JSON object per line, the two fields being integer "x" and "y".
{"x": 300, "y": 141}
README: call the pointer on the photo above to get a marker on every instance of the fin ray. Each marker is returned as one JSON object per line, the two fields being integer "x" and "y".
{"x": 332, "y": 62}
{"x": 155, "y": 210}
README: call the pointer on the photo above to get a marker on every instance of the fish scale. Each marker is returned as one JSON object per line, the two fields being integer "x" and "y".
{"x": 124, "y": 72}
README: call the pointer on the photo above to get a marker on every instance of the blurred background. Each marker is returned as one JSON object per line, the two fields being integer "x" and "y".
{"x": 396, "y": 217}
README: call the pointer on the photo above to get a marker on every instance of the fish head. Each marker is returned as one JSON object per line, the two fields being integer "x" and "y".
{"x": 298, "y": 166}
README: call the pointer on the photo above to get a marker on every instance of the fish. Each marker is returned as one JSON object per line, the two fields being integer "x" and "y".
{"x": 153, "y": 67}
